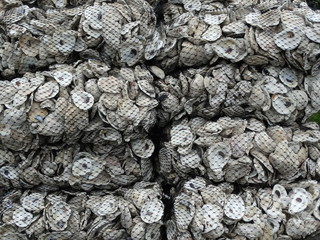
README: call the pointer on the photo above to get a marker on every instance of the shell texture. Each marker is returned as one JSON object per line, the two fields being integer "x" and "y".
{"x": 62, "y": 215}
{"x": 154, "y": 119}
{"x": 235, "y": 153}
{"x": 251, "y": 213}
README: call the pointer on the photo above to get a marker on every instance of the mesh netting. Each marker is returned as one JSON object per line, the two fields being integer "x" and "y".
{"x": 159, "y": 119}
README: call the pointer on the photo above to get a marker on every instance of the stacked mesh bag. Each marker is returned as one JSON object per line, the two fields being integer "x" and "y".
{"x": 172, "y": 119}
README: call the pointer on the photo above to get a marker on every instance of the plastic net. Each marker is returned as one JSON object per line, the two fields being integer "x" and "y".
{"x": 159, "y": 119}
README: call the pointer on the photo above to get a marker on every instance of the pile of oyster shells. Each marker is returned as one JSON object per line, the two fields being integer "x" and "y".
{"x": 159, "y": 119}
{"x": 104, "y": 214}
{"x": 239, "y": 150}
{"x": 213, "y": 211}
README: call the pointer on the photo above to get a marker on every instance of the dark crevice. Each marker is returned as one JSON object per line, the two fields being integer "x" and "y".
{"x": 158, "y": 10}
{"x": 157, "y": 136}
{"x": 314, "y": 4}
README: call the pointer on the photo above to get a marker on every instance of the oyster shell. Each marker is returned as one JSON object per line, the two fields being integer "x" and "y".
{"x": 113, "y": 112}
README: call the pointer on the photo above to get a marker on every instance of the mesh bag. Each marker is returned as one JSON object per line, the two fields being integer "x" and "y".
{"x": 159, "y": 119}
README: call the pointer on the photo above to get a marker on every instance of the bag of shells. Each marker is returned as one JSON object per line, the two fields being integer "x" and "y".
{"x": 159, "y": 119}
